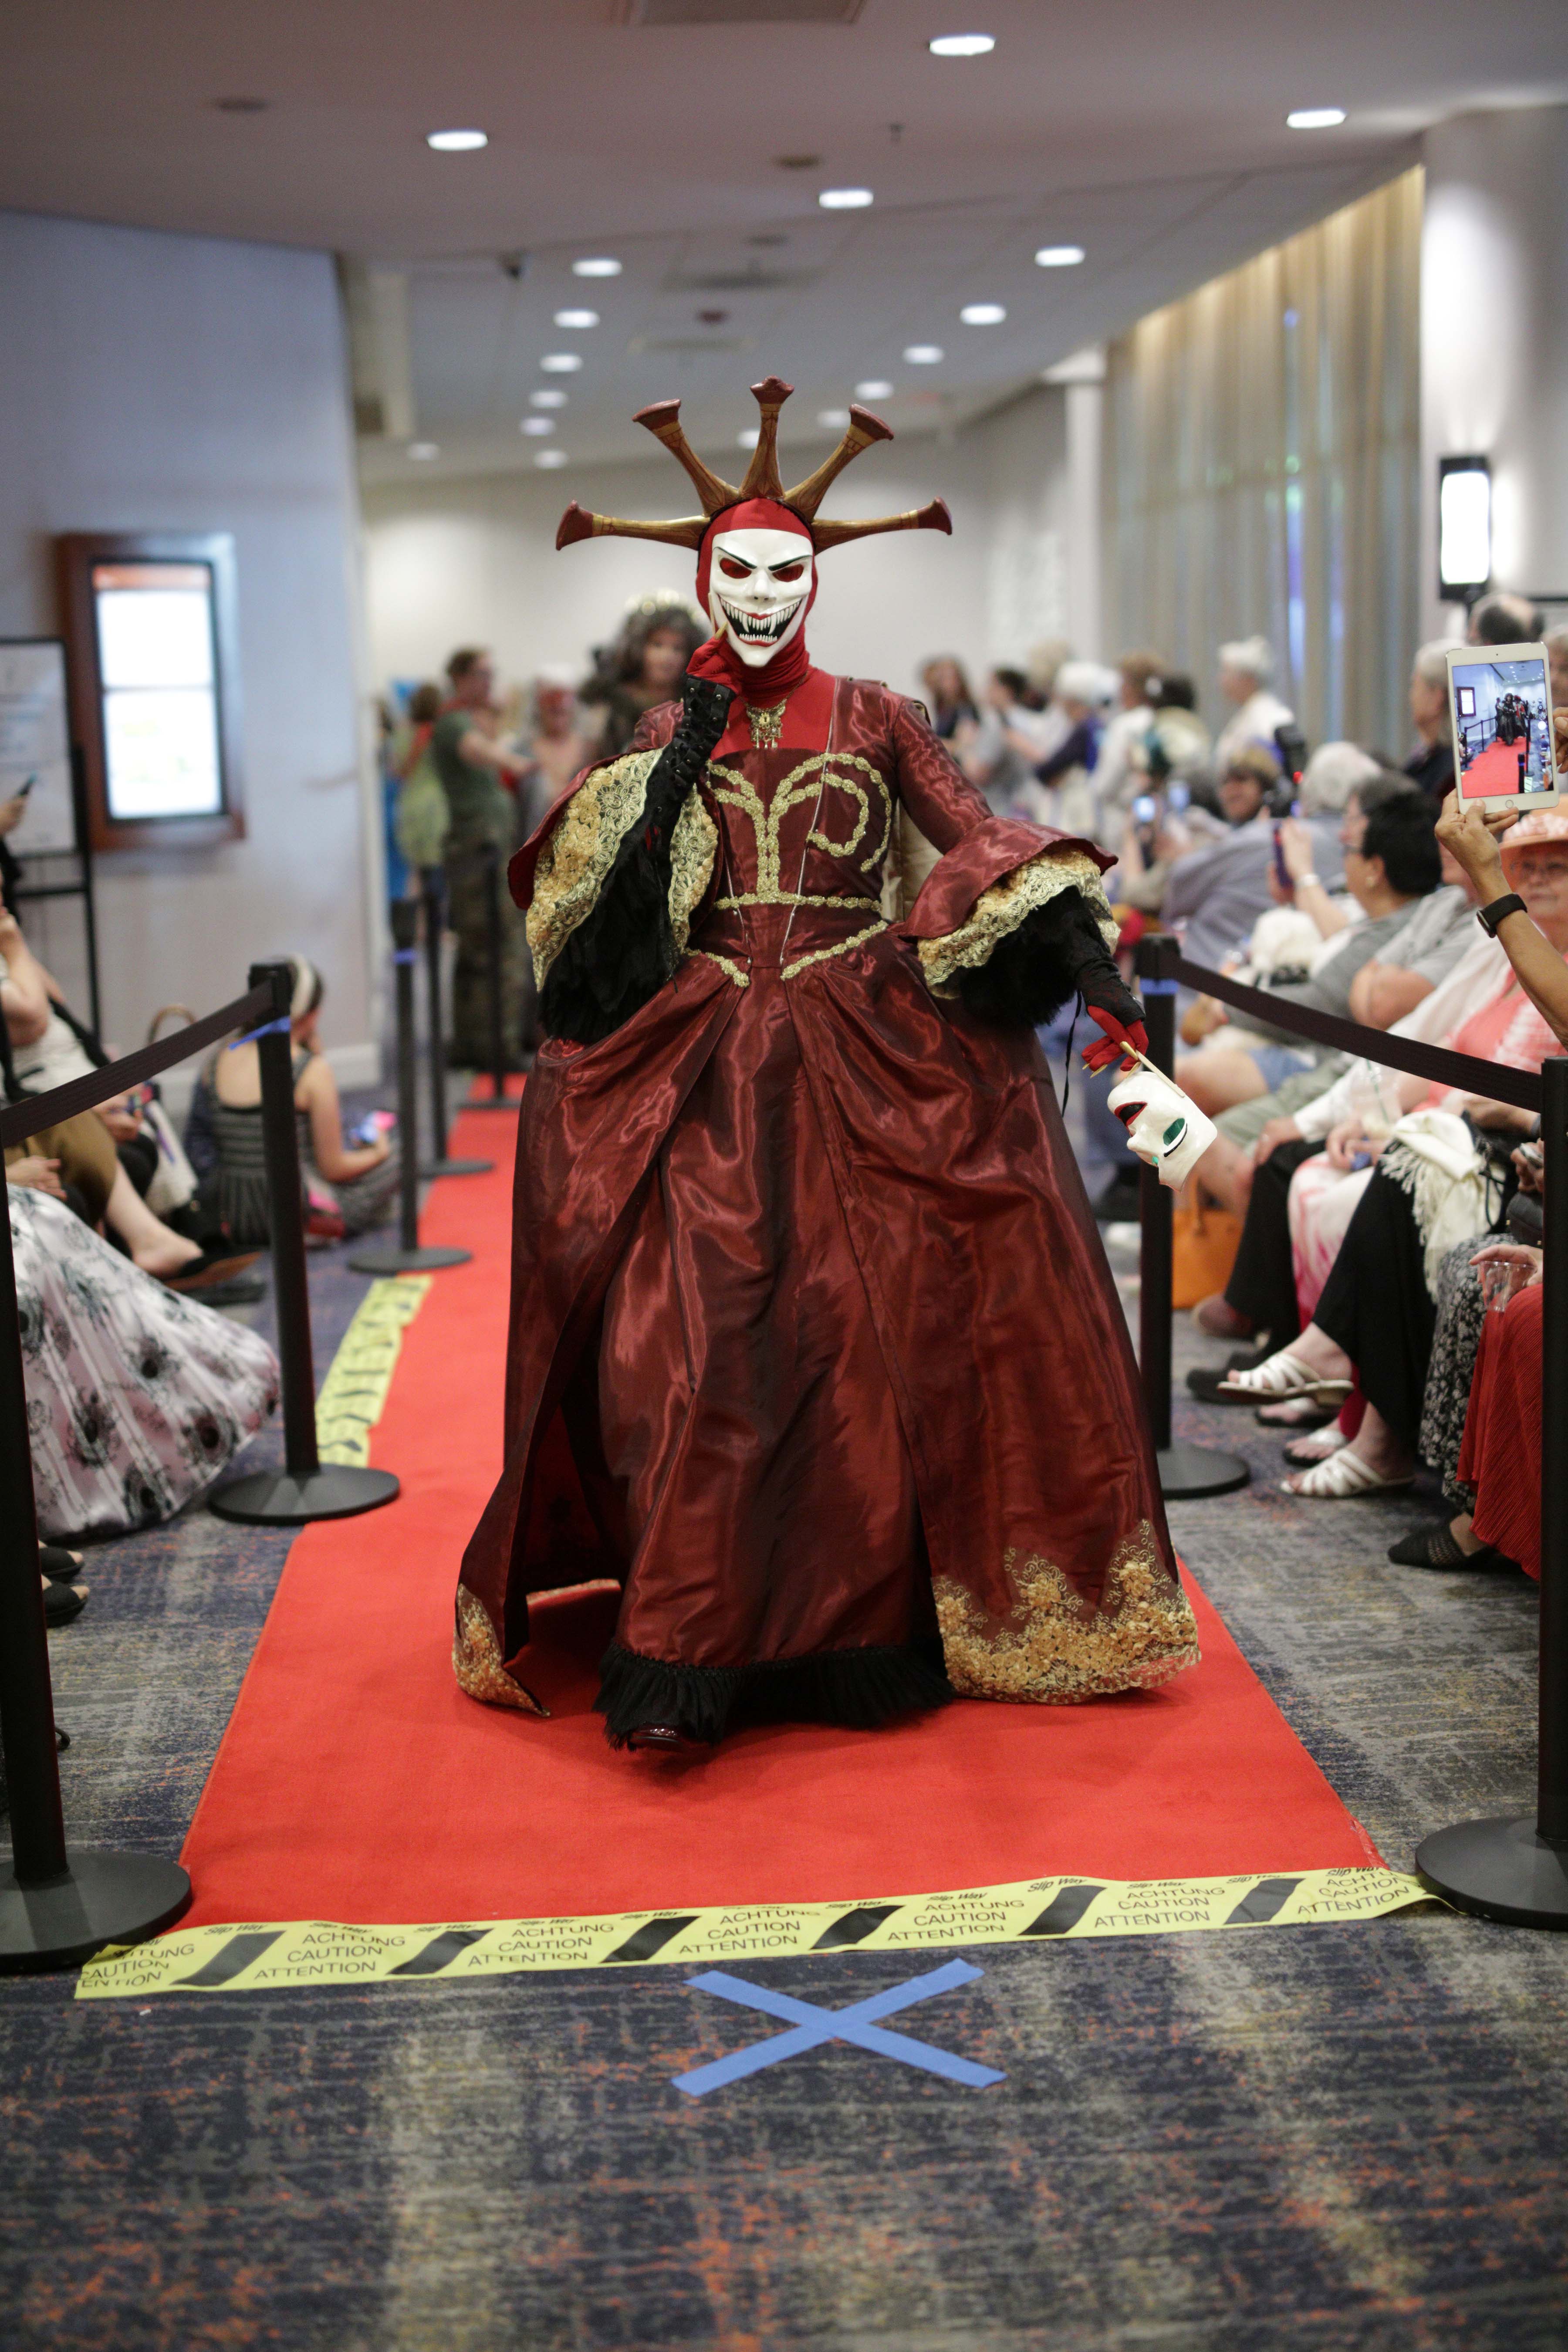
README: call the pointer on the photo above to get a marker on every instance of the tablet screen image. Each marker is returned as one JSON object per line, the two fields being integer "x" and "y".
{"x": 1502, "y": 727}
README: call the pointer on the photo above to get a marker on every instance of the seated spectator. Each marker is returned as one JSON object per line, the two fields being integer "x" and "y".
{"x": 948, "y": 696}
{"x": 1501, "y": 1459}
{"x": 1504, "y": 620}
{"x": 1557, "y": 660}
{"x": 1246, "y": 667}
{"x": 1431, "y": 765}
{"x": 43, "y": 1048}
{"x": 1216, "y": 893}
{"x": 362, "y": 1179}
{"x": 136, "y": 1399}
{"x": 1395, "y": 864}
{"x": 1117, "y": 777}
{"x": 1376, "y": 1317}
{"x": 1060, "y": 793}
{"x": 1001, "y": 751}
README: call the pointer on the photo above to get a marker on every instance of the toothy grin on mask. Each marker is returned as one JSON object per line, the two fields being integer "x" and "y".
{"x": 760, "y": 628}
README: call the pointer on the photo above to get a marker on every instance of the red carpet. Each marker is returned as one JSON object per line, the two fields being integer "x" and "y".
{"x": 1495, "y": 771}
{"x": 357, "y": 1783}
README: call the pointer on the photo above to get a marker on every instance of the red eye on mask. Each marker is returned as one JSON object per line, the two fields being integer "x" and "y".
{"x": 788, "y": 571}
{"x": 733, "y": 570}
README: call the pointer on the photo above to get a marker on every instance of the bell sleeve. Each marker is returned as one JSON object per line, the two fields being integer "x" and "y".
{"x": 1013, "y": 920}
{"x": 613, "y": 878}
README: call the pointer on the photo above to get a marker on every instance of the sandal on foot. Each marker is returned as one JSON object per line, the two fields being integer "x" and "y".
{"x": 1303, "y": 1452}
{"x": 1435, "y": 1546}
{"x": 1282, "y": 1378}
{"x": 1300, "y": 1413}
{"x": 1340, "y": 1475}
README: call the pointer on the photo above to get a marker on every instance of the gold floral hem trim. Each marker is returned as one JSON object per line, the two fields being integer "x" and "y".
{"x": 1057, "y": 1649}
{"x": 477, "y": 1660}
{"x": 577, "y": 859}
{"x": 1001, "y": 909}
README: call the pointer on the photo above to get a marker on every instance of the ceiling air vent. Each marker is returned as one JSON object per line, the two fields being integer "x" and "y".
{"x": 736, "y": 12}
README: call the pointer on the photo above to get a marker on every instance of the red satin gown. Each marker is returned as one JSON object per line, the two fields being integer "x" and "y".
{"x": 813, "y": 1346}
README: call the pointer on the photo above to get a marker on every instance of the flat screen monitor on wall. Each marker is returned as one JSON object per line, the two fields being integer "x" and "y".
{"x": 150, "y": 617}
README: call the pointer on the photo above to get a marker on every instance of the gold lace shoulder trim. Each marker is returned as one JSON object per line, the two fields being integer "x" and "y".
{"x": 577, "y": 858}
{"x": 477, "y": 1660}
{"x": 693, "y": 853}
{"x": 1001, "y": 909}
{"x": 1055, "y": 1648}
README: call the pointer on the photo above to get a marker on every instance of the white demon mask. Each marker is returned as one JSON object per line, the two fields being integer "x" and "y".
{"x": 1165, "y": 1128}
{"x": 758, "y": 588}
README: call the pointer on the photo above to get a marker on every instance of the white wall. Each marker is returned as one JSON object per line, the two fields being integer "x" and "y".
{"x": 190, "y": 383}
{"x": 474, "y": 559}
{"x": 1494, "y": 336}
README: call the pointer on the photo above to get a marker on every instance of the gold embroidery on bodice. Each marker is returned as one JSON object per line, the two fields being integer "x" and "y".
{"x": 820, "y": 776}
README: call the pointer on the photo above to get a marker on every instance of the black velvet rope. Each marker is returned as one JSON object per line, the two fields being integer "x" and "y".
{"x": 1491, "y": 1080}
{"x": 35, "y": 1112}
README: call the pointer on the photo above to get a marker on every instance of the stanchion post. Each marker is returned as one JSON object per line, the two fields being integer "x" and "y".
{"x": 57, "y": 1908}
{"x": 407, "y": 1258}
{"x": 303, "y": 1490}
{"x": 493, "y": 936}
{"x": 1515, "y": 1869}
{"x": 433, "y": 900}
{"x": 1186, "y": 1471}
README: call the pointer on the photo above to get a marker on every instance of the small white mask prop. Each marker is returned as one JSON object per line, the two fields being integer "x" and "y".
{"x": 1165, "y": 1128}
{"x": 758, "y": 588}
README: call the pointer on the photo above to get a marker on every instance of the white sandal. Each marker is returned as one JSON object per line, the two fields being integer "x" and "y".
{"x": 1340, "y": 1477}
{"x": 1283, "y": 1377}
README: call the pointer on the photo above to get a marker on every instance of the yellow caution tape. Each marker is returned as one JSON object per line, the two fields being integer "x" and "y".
{"x": 353, "y": 1394}
{"x": 250, "y": 1956}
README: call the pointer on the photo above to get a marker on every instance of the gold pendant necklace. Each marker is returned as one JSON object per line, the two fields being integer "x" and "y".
{"x": 766, "y": 726}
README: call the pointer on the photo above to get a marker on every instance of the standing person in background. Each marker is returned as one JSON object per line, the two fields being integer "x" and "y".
{"x": 643, "y": 667}
{"x": 1061, "y": 792}
{"x": 480, "y": 780}
{"x": 948, "y": 696}
{"x": 1117, "y": 778}
{"x": 1431, "y": 764}
{"x": 559, "y": 745}
{"x": 1245, "y": 667}
{"x": 1504, "y": 620}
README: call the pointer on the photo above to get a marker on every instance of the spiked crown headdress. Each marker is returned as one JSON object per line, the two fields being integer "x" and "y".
{"x": 763, "y": 481}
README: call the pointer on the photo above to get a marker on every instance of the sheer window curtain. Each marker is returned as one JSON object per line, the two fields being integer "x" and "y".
{"x": 1262, "y": 470}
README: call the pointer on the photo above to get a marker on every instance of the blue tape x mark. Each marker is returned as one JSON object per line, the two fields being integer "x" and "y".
{"x": 814, "y": 2025}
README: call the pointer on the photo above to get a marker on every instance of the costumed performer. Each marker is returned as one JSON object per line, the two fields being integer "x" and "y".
{"x": 814, "y": 1347}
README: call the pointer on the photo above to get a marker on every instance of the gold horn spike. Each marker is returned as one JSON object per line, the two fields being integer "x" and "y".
{"x": 663, "y": 421}
{"x": 864, "y": 428}
{"x": 763, "y": 474}
{"x": 934, "y": 516}
{"x": 577, "y": 523}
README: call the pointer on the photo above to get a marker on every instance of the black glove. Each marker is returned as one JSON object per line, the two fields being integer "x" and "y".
{"x": 623, "y": 953}
{"x": 1056, "y": 953}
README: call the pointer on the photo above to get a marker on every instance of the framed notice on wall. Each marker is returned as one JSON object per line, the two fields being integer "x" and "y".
{"x": 34, "y": 745}
{"x": 150, "y": 624}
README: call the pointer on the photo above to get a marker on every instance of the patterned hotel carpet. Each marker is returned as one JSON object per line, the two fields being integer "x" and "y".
{"x": 1317, "y": 2138}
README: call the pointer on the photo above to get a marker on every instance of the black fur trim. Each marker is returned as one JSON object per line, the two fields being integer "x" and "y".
{"x": 1056, "y": 953}
{"x": 859, "y": 1688}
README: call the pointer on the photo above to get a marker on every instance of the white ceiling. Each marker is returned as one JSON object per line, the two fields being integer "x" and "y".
{"x": 1152, "y": 134}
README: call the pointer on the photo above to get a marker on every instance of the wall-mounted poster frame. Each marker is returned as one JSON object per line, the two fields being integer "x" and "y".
{"x": 161, "y": 756}
{"x": 39, "y": 761}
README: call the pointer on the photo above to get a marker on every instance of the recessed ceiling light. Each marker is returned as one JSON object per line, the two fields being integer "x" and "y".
{"x": 962, "y": 45}
{"x": 423, "y": 450}
{"x": 843, "y": 200}
{"x": 834, "y": 419}
{"x": 456, "y": 143}
{"x": 562, "y": 362}
{"x": 576, "y": 318}
{"x": 1315, "y": 118}
{"x": 922, "y": 354}
{"x": 538, "y": 424}
{"x": 876, "y": 387}
{"x": 549, "y": 457}
{"x": 597, "y": 265}
{"x": 1059, "y": 256}
{"x": 549, "y": 398}
{"x": 748, "y": 438}
{"x": 984, "y": 314}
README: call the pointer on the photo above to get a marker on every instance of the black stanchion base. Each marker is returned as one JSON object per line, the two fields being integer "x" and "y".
{"x": 1188, "y": 1472}
{"x": 456, "y": 1167}
{"x": 106, "y": 1898}
{"x": 1502, "y": 1869}
{"x": 410, "y": 1261}
{"x": 338, "y": 1490}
